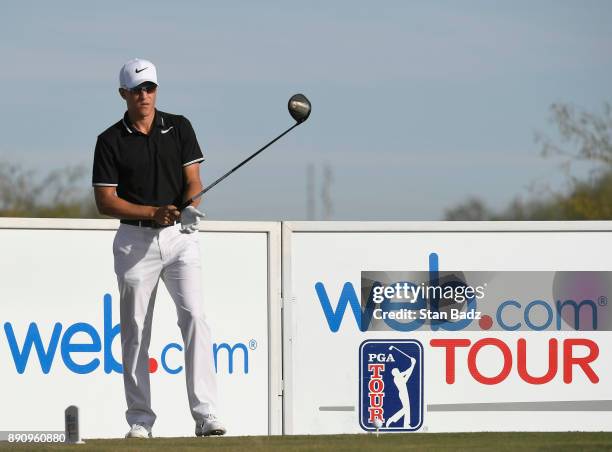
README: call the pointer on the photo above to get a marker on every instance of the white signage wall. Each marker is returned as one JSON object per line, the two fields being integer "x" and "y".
{"x": 504, "y": 372}
{"x": 58, "y": 289}
{"x": 523, "y": 367}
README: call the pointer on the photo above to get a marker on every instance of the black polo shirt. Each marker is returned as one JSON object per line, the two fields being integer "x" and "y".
{"x": 147, "y": 169}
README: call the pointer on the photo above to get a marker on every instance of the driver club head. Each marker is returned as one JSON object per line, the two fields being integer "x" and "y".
{"x": 299, "y": 107}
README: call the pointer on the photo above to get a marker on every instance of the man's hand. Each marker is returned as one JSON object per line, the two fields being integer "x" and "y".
{"x": 166, "y": 215}
{"x": 190, "y": 217}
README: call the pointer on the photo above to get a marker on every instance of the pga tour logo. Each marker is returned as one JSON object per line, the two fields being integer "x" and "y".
{"x": 391, "y": 385}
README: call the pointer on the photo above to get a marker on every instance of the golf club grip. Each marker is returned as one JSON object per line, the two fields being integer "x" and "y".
{"x": 194, "y": 197}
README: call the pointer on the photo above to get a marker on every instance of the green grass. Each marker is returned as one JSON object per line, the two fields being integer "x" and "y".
{"x": 516, "y": 441}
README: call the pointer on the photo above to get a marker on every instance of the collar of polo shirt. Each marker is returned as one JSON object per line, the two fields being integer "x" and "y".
{"x": 158, "y": 121}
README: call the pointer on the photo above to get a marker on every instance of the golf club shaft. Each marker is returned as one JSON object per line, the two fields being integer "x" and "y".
{"x": 194, "y": 197}
{"x": 395, "y": 348}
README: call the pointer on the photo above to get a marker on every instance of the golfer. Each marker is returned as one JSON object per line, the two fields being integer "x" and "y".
{"x": 144, "y": 166}
{"x": 401, "y": 380}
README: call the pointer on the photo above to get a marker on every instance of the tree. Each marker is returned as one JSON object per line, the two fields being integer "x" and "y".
{"x": 583, "y": 136}
{"x": 471, "y": 210}
{"x": 58, "y": 194}
{"x": 588, "y": 135}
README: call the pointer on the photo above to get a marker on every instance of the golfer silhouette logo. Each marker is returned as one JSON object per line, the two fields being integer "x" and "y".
{"x": 391, "y": 385}
{"x": 400, "y": 379}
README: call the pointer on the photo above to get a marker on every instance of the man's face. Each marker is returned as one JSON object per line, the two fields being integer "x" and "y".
{"x": 141, "y": 100}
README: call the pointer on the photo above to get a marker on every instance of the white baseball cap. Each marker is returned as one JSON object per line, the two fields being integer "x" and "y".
{"x": 135, "y": 72}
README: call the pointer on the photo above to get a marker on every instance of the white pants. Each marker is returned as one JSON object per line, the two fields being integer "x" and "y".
{"x": 142, "y": 256}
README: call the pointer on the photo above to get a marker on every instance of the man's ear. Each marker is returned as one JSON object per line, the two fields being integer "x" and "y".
{"x": 122, "y": 93}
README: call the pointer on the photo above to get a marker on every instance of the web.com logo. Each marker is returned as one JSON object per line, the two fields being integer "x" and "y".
{"x": 62, "y": 343}
{"x": 572, "y": 300}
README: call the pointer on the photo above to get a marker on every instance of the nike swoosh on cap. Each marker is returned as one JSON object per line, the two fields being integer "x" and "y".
{"x": 168, "y": 129}
{"x": 138, "y": 71}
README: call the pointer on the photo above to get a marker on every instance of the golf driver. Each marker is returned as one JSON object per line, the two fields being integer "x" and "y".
{"x": 397, "y": 349}
{"x": 299, "y": 109}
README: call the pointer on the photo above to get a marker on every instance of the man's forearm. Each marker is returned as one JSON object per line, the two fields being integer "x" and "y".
{"x": 122, "y": 209}
{"x": 192, "y": 190}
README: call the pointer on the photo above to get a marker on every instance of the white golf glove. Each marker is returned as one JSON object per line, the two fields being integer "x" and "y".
{"x": 190, "y": 218}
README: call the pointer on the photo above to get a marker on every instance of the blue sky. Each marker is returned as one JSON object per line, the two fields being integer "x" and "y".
{"x": 416, "y": 105}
